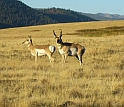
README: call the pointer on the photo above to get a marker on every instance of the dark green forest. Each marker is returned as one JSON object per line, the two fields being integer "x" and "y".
{"x": 14, "y": 13}
{"x": 64, "y": 16}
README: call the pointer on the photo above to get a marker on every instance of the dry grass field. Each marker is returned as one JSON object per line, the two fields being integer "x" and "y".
{"x": 98, "y": 83}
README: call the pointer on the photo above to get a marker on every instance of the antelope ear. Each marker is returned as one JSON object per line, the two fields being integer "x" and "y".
{"x": 54, "y": 34}
{"x": 60, "y": 33}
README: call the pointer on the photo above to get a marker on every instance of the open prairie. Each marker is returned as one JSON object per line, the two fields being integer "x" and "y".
{"x": 98, "y": 83}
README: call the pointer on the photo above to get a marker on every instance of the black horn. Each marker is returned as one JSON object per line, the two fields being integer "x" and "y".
{"x": 60, "y": 33}
{"x": 54, "y": 33}
{"x": 30, "y": 39}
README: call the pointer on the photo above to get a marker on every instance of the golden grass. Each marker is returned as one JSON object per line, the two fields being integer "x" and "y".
{"x": 99, "y": 83}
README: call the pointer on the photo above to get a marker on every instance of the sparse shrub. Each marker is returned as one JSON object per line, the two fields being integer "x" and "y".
{"x": 39, "y": 104}
{"x": 75, "y": 94}
{"x": 77, "y": 75}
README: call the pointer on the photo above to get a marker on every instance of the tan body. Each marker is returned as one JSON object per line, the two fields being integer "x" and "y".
{"x": 39, "y": 50}
{"x": 69, "y": 49}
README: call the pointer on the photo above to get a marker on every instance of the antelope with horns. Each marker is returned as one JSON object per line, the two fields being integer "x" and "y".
{"x": 69, "y": 49}
{"x": 39, "y": 50}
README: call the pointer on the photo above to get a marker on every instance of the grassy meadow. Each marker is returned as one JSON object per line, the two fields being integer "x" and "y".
{"x": 98, "y": 83}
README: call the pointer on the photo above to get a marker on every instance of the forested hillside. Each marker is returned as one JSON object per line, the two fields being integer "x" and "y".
{"x": 14, "y": 13}
{"x": 62, "y": 15}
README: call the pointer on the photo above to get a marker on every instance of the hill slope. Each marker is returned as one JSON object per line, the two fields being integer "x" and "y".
{"x": 112, "y": 16}
{"x": 14, "y": 13}
{"x": 62, "y": 15}
{"x": 104, "y": 16}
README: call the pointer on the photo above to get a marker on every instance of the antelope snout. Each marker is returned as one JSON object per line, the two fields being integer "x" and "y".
{"x": 23, "y": 42}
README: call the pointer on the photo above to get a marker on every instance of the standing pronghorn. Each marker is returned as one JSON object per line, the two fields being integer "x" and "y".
{"x": 39, "y": 50}
{"x": 69, "y": 49}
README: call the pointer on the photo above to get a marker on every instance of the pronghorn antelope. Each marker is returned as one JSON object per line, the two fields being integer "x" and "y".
{"x": 39, "y": 50}
{"x": 69, "y": 49}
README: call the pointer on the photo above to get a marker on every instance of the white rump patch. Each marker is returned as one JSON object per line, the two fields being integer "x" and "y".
{"x": 52, "y": 48}
{"x": 40, "y": 52}
{"x": 73, "y": 51}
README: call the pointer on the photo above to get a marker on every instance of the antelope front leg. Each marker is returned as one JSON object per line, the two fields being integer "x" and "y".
{"x": 50, "y": 58}
{"x": 64, "y": 57}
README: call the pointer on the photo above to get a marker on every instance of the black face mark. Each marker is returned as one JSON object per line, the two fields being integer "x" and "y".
{"x": 59, "y": 40}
